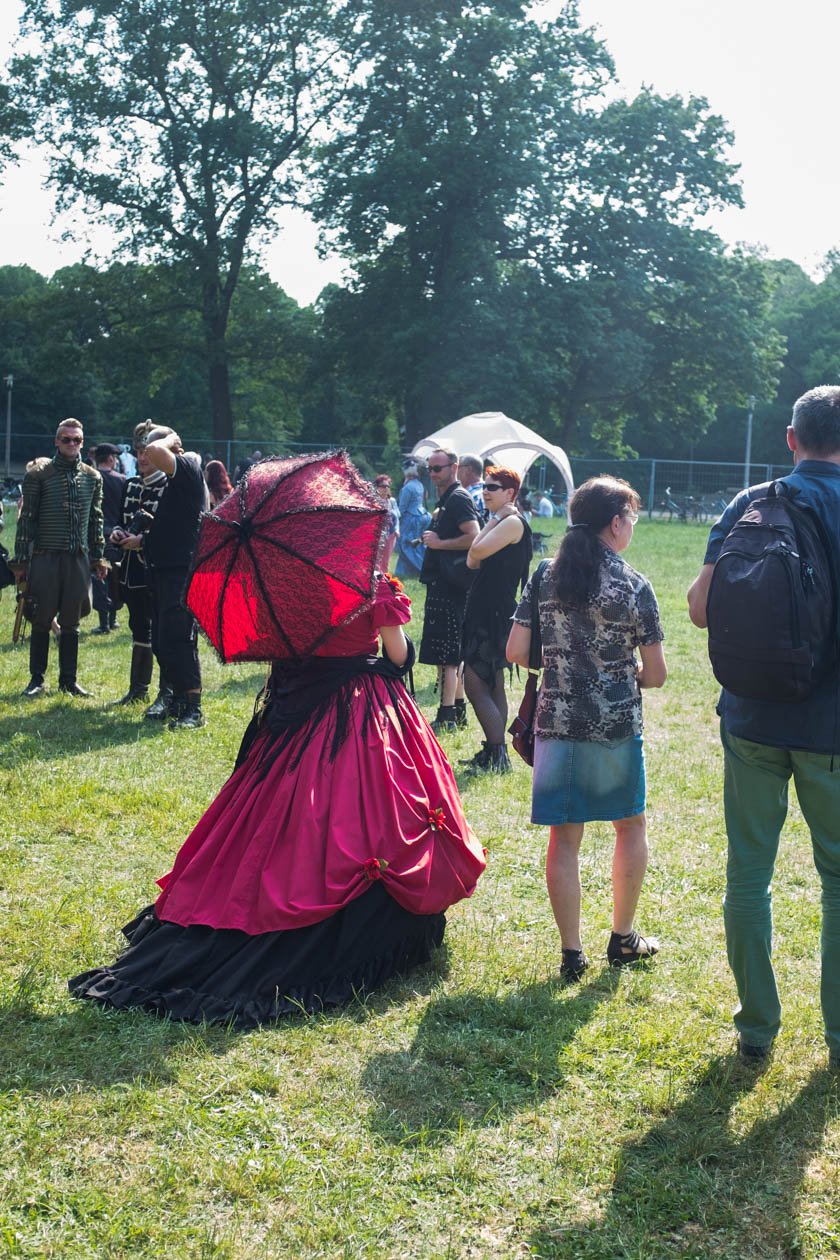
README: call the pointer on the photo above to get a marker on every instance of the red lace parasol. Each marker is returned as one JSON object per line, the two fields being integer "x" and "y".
{"x": 286, "y": 558}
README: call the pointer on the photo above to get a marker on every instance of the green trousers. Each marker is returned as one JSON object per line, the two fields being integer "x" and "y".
{"x": 755, "y": 798}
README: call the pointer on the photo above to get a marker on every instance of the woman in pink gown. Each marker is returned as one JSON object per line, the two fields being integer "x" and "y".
{"x": 326, "y": 862}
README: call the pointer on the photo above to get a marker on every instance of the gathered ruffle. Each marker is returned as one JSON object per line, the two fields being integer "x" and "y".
{"x": 200, "y": 974}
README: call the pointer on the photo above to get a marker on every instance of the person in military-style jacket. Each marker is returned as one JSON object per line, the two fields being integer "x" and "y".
{"x": 60, "y": 539}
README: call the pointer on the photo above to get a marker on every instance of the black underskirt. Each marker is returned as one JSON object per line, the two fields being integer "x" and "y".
{"x": 225, "y": 976}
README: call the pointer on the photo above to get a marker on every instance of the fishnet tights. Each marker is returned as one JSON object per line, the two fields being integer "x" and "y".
{"x": 489, "y": 703}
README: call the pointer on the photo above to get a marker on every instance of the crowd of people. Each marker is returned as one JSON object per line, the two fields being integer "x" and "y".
{"x": 327, "y": 861}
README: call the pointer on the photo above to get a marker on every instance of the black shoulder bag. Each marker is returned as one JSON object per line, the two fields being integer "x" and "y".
{"x": 521, "y": 729}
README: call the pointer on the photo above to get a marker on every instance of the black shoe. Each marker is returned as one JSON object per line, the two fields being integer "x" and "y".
{"x": 73, "y": 689}
{"x": 100, "y": 630}
{"x": 161, "y": 707}
{"x": 630, "y": 948}
{"x": 573, "y": 965}
{"x": 446, "y": 719}
{"x": 750, "y": 1053}
{"x": 474, "y": 765}
{"x": 188, "y": 716}
{"x": 461, "y": 719}
{"x": 134, "y": 695}
{"x": 36, "y": 688}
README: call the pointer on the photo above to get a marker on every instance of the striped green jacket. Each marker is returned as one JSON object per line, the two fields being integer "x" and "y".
{"x": 61, "y": 509}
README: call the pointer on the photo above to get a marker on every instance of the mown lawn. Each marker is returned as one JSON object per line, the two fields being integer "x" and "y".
{"x": 475, "y": 1109}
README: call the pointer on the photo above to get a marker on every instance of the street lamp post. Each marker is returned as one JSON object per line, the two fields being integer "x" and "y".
{"x": 748, "y": 451}
{"x": 8, "y": 381}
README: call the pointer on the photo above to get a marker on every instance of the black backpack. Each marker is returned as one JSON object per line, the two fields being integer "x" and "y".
{"x": 772, "y": 605}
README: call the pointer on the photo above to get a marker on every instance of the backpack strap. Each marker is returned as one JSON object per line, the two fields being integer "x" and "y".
{"x": 535, "y": 654}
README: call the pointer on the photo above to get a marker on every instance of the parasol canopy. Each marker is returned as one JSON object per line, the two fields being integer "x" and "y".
{"x": 287, "y": 558}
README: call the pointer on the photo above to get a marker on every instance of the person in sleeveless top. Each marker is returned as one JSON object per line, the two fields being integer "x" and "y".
{"x": 502, "y": 553}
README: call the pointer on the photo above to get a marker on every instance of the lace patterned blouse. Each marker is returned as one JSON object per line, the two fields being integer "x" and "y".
{"x": 589, "y": 690}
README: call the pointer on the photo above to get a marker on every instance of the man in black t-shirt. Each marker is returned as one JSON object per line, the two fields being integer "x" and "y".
{"x": 168, "y": 548}
{"x": 454, "y": 525}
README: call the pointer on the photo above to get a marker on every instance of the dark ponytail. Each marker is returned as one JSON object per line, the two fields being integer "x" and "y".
{"x": 577, "y": 566}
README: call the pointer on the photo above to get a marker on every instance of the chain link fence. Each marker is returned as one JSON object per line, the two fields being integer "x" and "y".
{"x": 670, "y": 488}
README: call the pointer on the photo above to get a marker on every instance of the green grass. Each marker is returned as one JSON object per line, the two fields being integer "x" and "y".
{"x": 474, "y": 1109}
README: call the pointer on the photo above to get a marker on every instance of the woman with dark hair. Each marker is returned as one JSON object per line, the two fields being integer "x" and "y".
{"x": 218, "y": 481}
{"x": 594, "y": 613}
{"x": 326, "y": 862}
{"x": 502, "y": 553}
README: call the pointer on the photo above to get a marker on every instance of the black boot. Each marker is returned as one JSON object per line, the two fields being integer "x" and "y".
{"x": 498, "y": 761}
{"x": 161, "y": 707}
{"x": 113, "y": 624}
{"x": 474, "y": 765}
{"x": 68, "y": 659}
{"x": 446, "y": 719}
{"x": 142, "y": 661}
{"x": 103, "y": 626}
{"x": 186, "y": 711}
{"x": 39, "y": 655}
{"x": 461, "y": 718}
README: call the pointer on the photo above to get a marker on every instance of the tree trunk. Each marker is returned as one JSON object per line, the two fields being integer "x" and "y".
{"x": 215, "y": 319}
{"x": 572, "y": 410}
{"x": 220, "y": 407}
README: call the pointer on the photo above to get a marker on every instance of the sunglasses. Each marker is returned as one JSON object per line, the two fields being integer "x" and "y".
{"x": 491, "y": 485}
{"x": 68, "y": 441}
{"x": 436, "y": 468}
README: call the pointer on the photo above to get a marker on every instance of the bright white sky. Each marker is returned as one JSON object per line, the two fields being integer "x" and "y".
{"x": 771, "y": 77}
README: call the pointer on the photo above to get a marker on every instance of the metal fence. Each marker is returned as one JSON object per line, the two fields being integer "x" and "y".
{"x": 684, "y": 489}
{"x": 681, "y": 489}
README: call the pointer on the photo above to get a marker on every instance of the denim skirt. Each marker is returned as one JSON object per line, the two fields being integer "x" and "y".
{"x": 579, "y": 782}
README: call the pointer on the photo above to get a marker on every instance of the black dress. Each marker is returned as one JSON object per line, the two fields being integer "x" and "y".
{"x": 491, "y": 603}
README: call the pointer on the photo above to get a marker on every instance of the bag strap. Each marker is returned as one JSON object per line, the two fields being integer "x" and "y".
{"x": 535, "y": 654}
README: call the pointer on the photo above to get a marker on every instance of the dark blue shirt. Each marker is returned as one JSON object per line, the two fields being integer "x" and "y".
{"x": 810, "y": 724}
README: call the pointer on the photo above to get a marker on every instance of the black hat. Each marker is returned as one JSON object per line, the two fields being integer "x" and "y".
{"x": 104, "y": 449}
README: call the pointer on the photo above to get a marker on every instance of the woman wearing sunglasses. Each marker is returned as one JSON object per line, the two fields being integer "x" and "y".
{"x": 501, "y": 553}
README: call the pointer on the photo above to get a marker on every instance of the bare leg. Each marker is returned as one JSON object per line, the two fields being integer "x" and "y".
{"x": 460, "y": 690}
{"x": 562, "y": 875}
{"x": 629, "y": 865}
{"x": 448, "y": 682}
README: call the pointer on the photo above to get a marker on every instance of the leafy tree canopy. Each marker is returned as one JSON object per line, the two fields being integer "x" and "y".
{"x": 185, "y": 124}
{"x": 521, "y": 242}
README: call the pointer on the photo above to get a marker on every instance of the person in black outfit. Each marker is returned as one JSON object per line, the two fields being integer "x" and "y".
{"x": 501, "y": 553}
{"x": 141, "y": 496}
{"x": 113, "y": 486}
{"x": 168, "y": 548}
{"x": 454, "y": 525}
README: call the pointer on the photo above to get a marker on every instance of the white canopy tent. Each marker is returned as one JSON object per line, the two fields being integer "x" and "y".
{"x": 493, "y": 435}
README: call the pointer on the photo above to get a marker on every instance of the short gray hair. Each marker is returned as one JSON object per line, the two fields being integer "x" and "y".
{"x": 816, "y": 420}
{"x": 473, "y": 462}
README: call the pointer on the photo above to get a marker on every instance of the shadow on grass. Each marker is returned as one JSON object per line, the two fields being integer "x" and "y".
{"x": 477, "y": 1059}
{"x": 85, "y": 1048}
{"x": 90, "y": 1046}
{"x": 46, "y": 731}
{"x": 690, "y": 1187}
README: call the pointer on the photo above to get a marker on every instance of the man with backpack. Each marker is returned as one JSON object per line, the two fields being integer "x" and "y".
{"x": 779, "y": 551}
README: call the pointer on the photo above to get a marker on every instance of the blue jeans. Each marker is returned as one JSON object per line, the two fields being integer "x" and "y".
{"x": 755, "y": 797}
